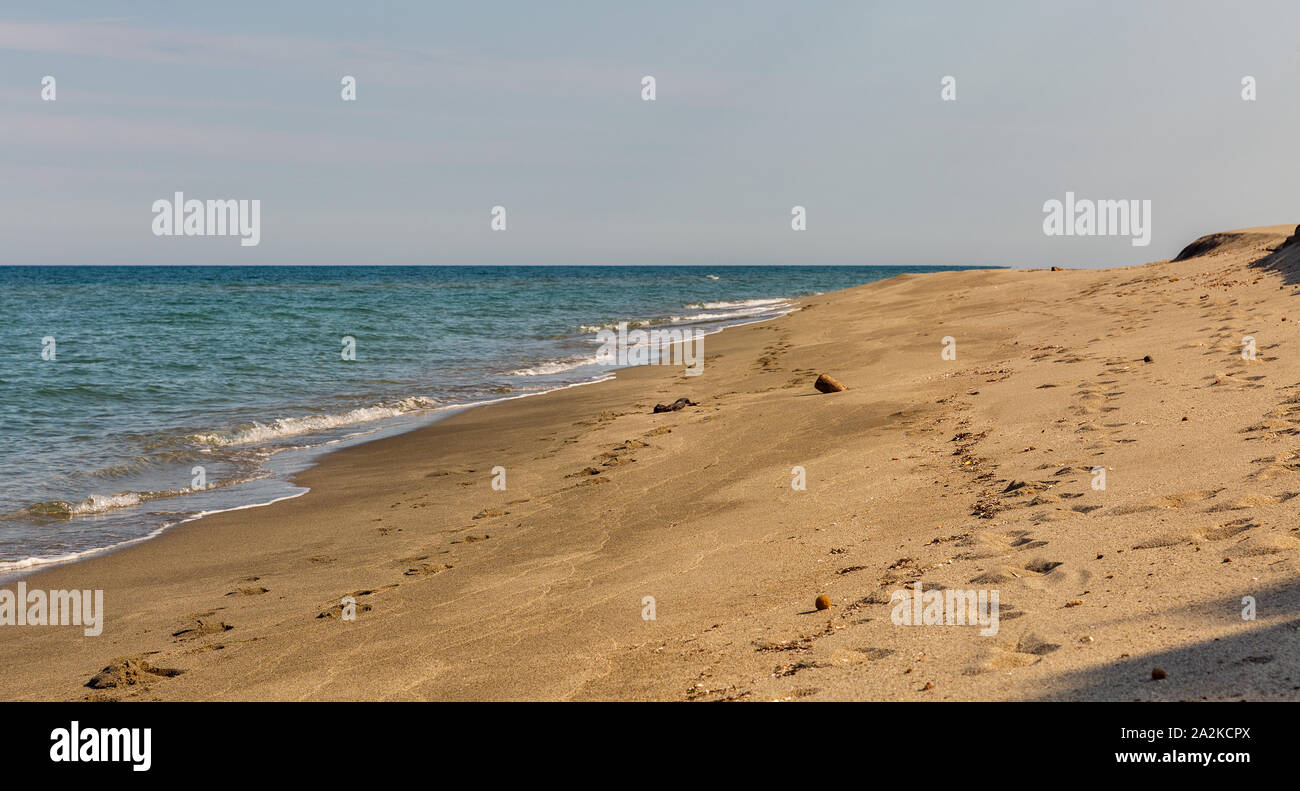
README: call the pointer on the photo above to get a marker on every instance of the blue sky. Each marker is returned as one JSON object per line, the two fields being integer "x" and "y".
{"x": 761, "y": 106}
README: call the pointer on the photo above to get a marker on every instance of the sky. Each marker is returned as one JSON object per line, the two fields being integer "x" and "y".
{"x": 537, "y": 107}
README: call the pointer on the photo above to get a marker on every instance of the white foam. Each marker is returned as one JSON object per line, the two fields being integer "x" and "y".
{"x": 33, "y": 562}
{"x": 613, "y": 325}
{"x": 554, "y": 366}
{"x": 728, "y": 315}
{"x": 738, "y": 303}
{"x": 94, "y": 504}
{"x": 294, "y": 426}
{"x": 98, "y": 503}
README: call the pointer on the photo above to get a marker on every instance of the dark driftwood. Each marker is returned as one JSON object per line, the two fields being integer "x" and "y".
{"x": 829, "y": 384}
{"x": 676, "y": 405}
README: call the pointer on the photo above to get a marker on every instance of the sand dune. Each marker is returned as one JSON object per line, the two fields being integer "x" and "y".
{"x": 979, "y": 472}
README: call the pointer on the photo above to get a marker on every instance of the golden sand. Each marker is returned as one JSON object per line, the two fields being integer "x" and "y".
{"x": 668, "y": 556}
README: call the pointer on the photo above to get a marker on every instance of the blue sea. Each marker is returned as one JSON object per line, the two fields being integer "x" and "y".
{"x": 134, "y": 398}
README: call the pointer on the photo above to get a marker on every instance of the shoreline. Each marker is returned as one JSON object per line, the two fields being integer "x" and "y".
{"x": 383, "y": 426}
{"x": 315, "y": 455}
{"x": 539, "y": 591}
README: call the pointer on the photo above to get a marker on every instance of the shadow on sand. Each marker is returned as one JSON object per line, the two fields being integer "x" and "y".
{"x": 1261, "y": 661}
{"x": 1285, "y": 259}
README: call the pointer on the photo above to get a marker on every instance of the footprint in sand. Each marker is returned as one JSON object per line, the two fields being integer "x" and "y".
{"x": 1058, "y": 576}
{"x": 1056, "y": 515}
{"x": 1167, "y": 501}
{"x": 1227, "y": 529}
{"x": 1001, "y": 575}
{"x": 201, "y": 627}
{"x": 426, "y": 569}
{"x": 1275, "y": 466}
{"x": 336, "y": 610}
{"x": 1183, "y": 499}
{"x": 1031, "y": 643}
{"x": 130, "y": 671}
{"x": 1006, "y": 656}
{"x": 1166, "y": 539}
{"x": 590, "y": 481}
{"x": 1041, "y": 566}
{"x": 254, "y": 591}
{"x": 1251, "y": 501}
{"x": 980, "y": 546}
{"x": 1264, "y": 544}
{"x": 472, "y": 539}
{"x": 620, "y": 453}
{"x": 1026, "y": 541}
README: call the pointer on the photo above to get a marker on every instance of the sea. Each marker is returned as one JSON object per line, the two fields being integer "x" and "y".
{"x": 135, "y": 398}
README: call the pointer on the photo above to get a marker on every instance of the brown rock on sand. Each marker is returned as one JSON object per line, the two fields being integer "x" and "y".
{"x": 823, "y": 602}
{"x": 829, "y": 384}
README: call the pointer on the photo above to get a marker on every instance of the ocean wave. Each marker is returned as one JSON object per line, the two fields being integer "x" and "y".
{"x": 613, "y": 325}
{"x": 100, "y": 503}
{"x": 735, "y": 309}
{"x": 554, "y": 366}
{"x": 295, "y": 426}
{"x": 695, "y": 318}
{"x": 737, "y": 303}
{"x": 23, "y": 564}
{"x": 138, "y": 464}
{"x": 94, "y": 504}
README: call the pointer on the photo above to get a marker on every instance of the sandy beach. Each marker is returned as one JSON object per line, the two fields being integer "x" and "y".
{"x": 971, "y": 473}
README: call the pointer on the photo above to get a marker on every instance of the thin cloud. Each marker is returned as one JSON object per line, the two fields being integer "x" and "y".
{"x": 435, "y": 66}
{"x": 66, "y": 132}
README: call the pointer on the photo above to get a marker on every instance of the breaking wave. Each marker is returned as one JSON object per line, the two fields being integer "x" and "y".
{"x": 257, "y": 432}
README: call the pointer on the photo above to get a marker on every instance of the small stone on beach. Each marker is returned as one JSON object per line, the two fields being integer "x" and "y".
{"x": 823, "y": 602}
{"x": 829, "y": 384}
